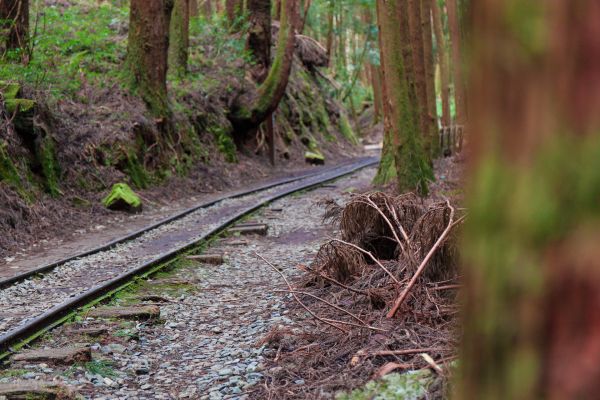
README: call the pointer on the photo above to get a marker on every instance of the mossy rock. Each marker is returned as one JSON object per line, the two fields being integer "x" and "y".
{"x": 19, "y": 105}
{"x": 314, "y": 157}
{"x": 122, "y": 198}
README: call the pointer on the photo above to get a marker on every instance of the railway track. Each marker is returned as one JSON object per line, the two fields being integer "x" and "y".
{"x": 33, "y": 302}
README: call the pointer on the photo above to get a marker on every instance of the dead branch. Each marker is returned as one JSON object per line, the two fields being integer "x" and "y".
{"x": 315, "y": 316}
{"x": 336, "y": 307}
{"x": 423, "y": 264}
{"x": 334, "y": 281}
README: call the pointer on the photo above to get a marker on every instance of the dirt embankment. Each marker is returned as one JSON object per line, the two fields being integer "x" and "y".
{"x": 60, "y": 156}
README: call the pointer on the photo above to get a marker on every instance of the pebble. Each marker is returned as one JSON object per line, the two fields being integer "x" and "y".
{"x": 206, "y": 347}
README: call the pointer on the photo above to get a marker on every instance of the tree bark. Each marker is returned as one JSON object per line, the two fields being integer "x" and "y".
{"x": 259, "y": 36}
{"x": 457, "y": 70}
{"x": 329, "y": 42}
{"x": 442, "y": 56}
{"x": 147, "y": 51}
{"x": 15, "y": 17}
{"x": 194, "y": 11}
{"x": 251, "y": 111}
{"x": 307, "y": 4}
{"x": 530, "y": 245}
{"x": 179, "y": 42}
{"x": 403, "y": 141}
{"x": 431, "y": 140}
{"x": 233, "y": 9}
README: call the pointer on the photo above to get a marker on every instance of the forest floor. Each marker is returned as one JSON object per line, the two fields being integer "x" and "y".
{"x": 224, "y": 330}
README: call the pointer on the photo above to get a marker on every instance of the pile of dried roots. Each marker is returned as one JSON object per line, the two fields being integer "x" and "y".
{"x": 382, "y": 298}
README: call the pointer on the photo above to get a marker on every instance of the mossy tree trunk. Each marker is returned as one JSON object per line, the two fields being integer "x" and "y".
{"x": 531, "y": 320}
{"x": 403, "y": 141}
{"x": 147, "y": 52}
{"x": 442, "y": 58}
{"x": 329, "y": 40}
{"x": 14, "y": 25}
{"x": 419, "y": 77}
{"x": 457, "y": 60}
{"x": 259, "y": 36}
{"x": 250, "y": 111}
{"x": 179, "y": 41}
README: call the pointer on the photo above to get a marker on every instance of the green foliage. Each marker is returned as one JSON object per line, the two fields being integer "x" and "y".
{"x": 50, "y": 166}
{"x": 73, "y": 45}
{"x": 101, "y": 367}
{"x": 411, "y": 385}
{"x": 225, "y": 143}
{"x": 9, "y": 173}
{"x": 136, "y": 171}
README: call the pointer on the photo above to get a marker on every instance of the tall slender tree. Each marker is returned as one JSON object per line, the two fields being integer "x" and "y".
{"x": 442, "y": 58}
{"x": 403, "y": 148}
{"x": 233, "y": 9}
{"x": 14, "y": 21}
{"x": 147, "y": 52}
{"x": 457, "y": 61}
{"x": 530, "y": 246}
{"x": 431, "y": 141}
{"x": 179, "y": 41}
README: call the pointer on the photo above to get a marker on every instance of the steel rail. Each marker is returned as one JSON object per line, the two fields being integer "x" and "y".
{"x": 52, "y": 317}
{"x": 6, "y": 282}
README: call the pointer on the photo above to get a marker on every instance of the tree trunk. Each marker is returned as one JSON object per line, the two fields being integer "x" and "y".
{"x": 431, "y": 140}
{"x": 530, "y": 246}
{"x": 251, "y": 111}
{"x": 442, "y": 56}
{"x": 180, "y": 37}
{"x": 459, "y": 87}
{"x": 259, "y": 36}
{"x": 329, "y": 42}
{"x": 147, "y": 51}
{"x": 307, "y": 4}
{"x": 193, "y": 12}
{"x": 14, "y": 19}
{"x": 233, "y": 9}
{"x": 403, "y": 141}
{"x": 207, "y": 8}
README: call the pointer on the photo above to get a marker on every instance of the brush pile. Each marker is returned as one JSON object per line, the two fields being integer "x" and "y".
{"x": 382, "y": 297}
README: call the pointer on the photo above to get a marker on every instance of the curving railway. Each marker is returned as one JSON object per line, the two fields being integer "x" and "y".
{"x": 43, "y": 297}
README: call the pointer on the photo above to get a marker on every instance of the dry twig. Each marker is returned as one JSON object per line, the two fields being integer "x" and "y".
{"x": 423, "y": 264}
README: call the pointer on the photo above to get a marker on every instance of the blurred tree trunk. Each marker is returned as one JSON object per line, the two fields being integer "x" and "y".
{"x": 147, "y": 51}
{"x": 531, "y": 249}
{"x": 207, "y": 8}
{"x": 180, "y": 37}
{"x": 259, "y": 36}
{"x": 403, "y": 148}
{"x": 457, "y": 68}
{"x": 193, "y": 12}
{"x": 250, "y": 111}
{"x": 442, "y": 56}
{"x": 14, "y": 25}
{"x": 233, "y": 9}
{"x": 307, "y": 4}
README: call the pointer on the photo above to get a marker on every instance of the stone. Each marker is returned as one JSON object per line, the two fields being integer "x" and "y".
{"x": 122, "y": 198}
{"x": 314, "y": 157}
{"x": 37, "y": 390}
{"x": 60, "y": 356}
{"x": 134, "y": 313}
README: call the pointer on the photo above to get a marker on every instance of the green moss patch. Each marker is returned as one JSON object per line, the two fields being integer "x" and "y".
{"x": 122, "y": 198}
{"x": 314, "y": 157}
{"x": 411, "y": 385}
{"x": 9, "y": 90}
